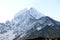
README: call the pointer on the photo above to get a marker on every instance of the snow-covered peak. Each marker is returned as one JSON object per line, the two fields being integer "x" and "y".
{"x": 36, "y": 13}
{"x": 32, "y": 11}
{"x": 25, "y": 15}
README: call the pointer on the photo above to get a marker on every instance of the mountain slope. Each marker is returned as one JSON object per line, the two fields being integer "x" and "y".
{"x": 48, "y": 29}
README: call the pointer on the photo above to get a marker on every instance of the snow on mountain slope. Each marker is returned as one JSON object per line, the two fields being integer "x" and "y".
{"x": 7, "y": 36}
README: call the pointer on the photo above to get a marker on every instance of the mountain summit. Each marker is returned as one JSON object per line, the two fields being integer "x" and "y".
{"x": 31, "y": 11}
{"x": 25, "y": 14}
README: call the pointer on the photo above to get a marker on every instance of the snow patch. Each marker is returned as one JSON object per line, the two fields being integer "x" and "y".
{"x": 39, "y": 28}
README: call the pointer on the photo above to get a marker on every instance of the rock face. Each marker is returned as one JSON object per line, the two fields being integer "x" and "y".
{"x": 29, "y": 24}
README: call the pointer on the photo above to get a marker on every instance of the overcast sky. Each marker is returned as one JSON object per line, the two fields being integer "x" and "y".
{"x": 8, "y": 8}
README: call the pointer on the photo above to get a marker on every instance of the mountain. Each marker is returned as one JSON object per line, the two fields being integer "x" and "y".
{"x": 26, "y": 19}
{"x": 29, "y": 24}
{"x": 38, "y": 23}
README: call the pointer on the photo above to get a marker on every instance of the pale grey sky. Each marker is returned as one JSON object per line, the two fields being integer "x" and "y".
{"x": 8, "y": 8}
